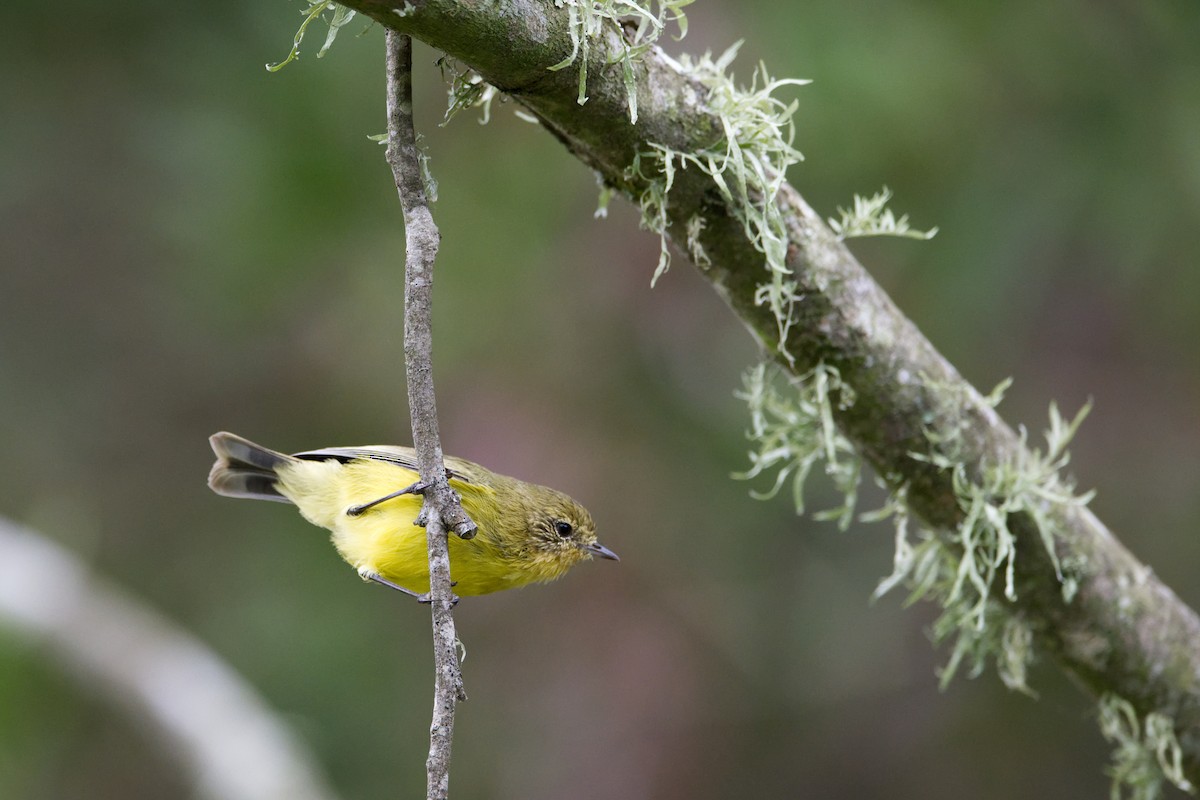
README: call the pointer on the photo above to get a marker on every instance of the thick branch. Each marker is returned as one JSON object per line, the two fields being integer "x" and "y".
{"x": 1124, "y": 632}
{"x": 442, "y": 511}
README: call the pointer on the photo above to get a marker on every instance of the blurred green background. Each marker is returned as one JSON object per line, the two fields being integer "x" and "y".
{"x": 189, "y": 244}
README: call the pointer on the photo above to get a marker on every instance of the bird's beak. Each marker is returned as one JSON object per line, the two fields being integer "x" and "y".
{"x": 597, "y": 549}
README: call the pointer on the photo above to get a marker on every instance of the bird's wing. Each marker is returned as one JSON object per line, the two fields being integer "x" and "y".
{"x": 400, "y": 456}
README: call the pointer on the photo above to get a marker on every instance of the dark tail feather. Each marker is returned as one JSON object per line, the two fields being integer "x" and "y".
{"x": 245, "y": 469}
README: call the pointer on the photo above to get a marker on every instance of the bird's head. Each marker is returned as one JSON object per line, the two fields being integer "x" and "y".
{"x": 562, "y": 531}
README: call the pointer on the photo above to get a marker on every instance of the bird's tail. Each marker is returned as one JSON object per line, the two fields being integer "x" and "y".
{"x": 245, "y": 469}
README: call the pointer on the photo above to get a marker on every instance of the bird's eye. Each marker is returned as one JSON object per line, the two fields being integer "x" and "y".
{"x": 563, "y": 529}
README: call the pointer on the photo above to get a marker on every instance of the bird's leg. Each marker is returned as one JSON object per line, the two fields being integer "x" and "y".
{"x": 371, "y": 576}
{"x": 416, "y": 488}
{"x": 420, "y": 598}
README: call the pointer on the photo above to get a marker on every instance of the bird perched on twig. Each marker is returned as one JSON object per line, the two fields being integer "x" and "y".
{"x": 368, "y": 497}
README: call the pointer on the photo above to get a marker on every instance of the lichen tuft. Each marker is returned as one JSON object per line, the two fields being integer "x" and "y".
{"x": 640, "y": 26}
{"x": 971, "y": 572}
{"x": 870, "y": 216}
{"x": 747, "y": 167}
{"x": 465, "y": 89}
{"x": 792, "y": 428}
{"x": 1144, "y": 754}
{"x": 339, "y": 16}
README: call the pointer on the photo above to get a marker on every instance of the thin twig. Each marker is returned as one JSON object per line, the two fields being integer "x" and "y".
{"x": 442, "y": 511}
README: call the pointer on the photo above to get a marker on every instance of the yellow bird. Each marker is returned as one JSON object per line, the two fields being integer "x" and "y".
{"x": 527, "y": 533}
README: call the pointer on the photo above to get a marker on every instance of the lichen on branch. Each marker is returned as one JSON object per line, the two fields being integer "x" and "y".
{"x": 339, "y": 15}
{"x": 747, "y": 165}
{"x": 792, "y": 429}
{"x": 639, "y": 26}
{"x": 870, "y": 216}
{"x": 969, "y": 573}
{"x": 1144, "y": 751}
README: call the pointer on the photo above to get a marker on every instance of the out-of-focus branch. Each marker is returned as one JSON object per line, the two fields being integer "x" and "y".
{"x": 230, "y": 742}
{"x": 1123, "y": 632}
{"x": 442, "y": 511}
